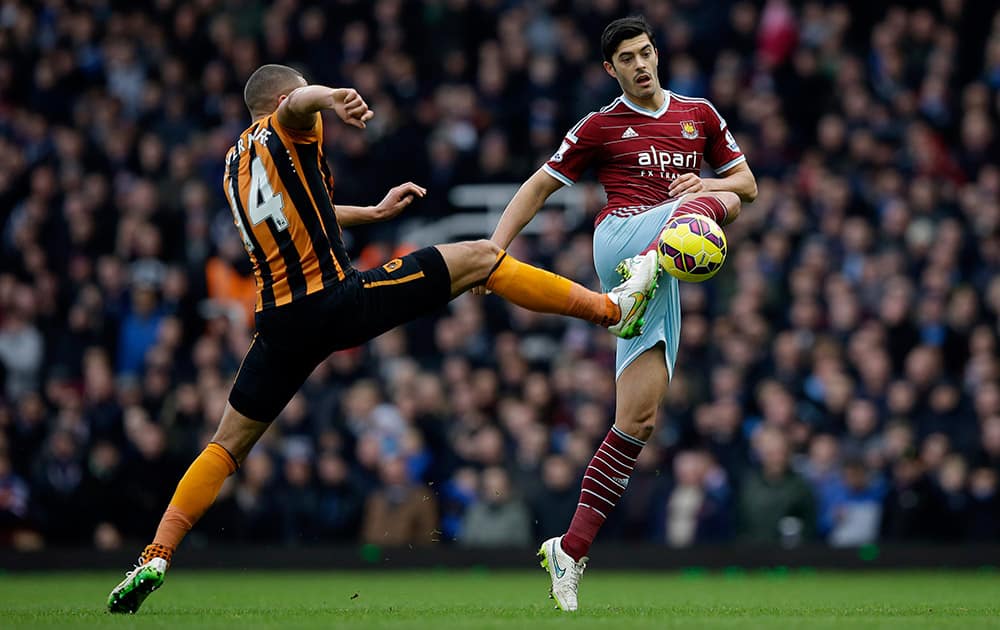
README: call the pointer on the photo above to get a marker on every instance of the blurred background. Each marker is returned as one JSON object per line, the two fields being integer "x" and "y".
{"x": 838, "y": 383}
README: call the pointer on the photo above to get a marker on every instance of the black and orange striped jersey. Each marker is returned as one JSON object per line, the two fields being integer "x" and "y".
{"x": 280, "y": 190}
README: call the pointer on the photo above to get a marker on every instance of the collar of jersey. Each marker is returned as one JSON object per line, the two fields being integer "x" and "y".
{"x": 639, "y": 109}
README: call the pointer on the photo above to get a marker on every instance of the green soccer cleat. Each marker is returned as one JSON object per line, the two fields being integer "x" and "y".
{"x": 641, "y": 276}
{"x": 564, "y": 571}
{"x": 137, "y": 585}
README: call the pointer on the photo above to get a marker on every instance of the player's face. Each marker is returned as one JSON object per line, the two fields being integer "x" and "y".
{"x": 634, "y": 64}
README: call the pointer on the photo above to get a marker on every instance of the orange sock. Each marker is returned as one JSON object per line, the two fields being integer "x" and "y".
{"x": 543, "y": 291}
{"x": 194, "y": 495}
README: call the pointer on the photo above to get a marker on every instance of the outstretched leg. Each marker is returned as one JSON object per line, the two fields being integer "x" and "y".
{"x": 475, "y": 262}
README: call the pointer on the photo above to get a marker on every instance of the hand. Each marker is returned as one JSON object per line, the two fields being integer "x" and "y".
{"x": 685, "y": 184}
{"x": 351, "y": 108}
{"x": 396, "y": 199}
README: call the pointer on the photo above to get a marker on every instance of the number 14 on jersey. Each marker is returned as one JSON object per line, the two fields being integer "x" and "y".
{"x": 262, "y": 202}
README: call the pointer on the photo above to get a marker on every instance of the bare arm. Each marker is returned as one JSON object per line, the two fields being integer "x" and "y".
{"x": 739, "y": 179}
{"x": 394, "y": 202}
{"x": 524, "y": 206}
{"x": 298, "y": 110}
{"x": 348, "y": 216}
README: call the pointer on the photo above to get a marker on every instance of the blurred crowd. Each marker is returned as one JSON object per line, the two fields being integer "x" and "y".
{"x": 839, "y": 381}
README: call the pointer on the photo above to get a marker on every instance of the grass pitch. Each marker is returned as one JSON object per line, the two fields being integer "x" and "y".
{"x": 483, "y": 599}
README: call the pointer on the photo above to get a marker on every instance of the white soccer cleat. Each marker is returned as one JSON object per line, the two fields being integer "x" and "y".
{"x": 564, "y": 571}
{"x": 641, "y": 274}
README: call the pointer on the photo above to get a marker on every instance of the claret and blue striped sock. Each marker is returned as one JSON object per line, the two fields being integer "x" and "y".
{"x": 604, "y": 482}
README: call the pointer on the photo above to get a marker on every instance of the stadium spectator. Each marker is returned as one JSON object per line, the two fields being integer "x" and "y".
{"x": 339, "y": 502}
{"x": 498, "y": 518}
{"x": 257, "y": 502}
{"x": 984, "y": 505}
{"x": 775, "y": 503}
{"x": 855, "y": 505}
{"x": 298, "y": 496}
{"x": 58, "y": 480}
{"x": 14, "y": 497}
{"x": 910, "y": 509}
{"x": 399, "y": 512}
{"x": 555, "y": 499}
{"x": 458, "y": 495}
{"x": 22, "y": 346}
{"x": 698, "y": 506}
{"x": 104, "y": 482}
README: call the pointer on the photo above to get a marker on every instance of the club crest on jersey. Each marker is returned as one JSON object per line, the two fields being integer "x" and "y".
{"x": 689, "y": 130}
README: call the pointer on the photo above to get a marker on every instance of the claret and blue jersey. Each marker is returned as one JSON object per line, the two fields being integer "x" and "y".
{"x": 638, "y": 152}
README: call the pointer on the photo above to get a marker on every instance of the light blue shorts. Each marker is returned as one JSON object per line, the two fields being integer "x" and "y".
{"x": 621, "y": 237}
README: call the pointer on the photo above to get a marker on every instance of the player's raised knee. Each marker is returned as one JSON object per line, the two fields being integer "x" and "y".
{"x": 733, "y": 204}
{"x": 731, "y": 199}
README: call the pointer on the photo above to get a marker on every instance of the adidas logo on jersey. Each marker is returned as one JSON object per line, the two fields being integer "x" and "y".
{"x": 630, "y": 133}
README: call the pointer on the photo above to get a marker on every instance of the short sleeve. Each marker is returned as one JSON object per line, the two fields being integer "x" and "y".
{"x": 298, "y": 136}
{"x": 721, "y": 151}
{"x": 576, "y": 153}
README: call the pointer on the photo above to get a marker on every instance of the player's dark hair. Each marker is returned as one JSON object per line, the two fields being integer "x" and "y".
{"x": 267, "y": 83}
{"x": 622, "y": 29}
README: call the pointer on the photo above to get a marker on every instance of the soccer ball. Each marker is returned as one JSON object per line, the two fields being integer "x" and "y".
{"x": 692, "y": 248}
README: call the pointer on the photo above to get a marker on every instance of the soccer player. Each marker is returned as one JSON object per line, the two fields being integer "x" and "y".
{"x": 311, "y": 302}
{"x": 647, "y": 148}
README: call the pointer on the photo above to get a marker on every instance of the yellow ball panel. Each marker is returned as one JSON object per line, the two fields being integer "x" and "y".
{"x": 692, "y": 248}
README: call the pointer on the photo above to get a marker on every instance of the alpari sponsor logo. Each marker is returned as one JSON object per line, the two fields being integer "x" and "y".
{"x": 668, "y": 162}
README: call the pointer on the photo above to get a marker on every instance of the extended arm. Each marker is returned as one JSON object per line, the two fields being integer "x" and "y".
{"x": 298, "y": 110}
{"x": 739, "y": 179}
{"x": 524, "y": 206}
{"x": 395, "y": 200}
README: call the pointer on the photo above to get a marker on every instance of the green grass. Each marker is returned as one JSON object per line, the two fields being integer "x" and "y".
{"x": 483, "y": 599}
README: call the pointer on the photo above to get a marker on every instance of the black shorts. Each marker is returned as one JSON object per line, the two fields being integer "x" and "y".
{"x": 292, "y": 340}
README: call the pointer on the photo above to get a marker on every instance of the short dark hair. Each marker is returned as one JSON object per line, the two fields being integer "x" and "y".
{"x": 267, "y": 83}
{"x": 622, "y": 29}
